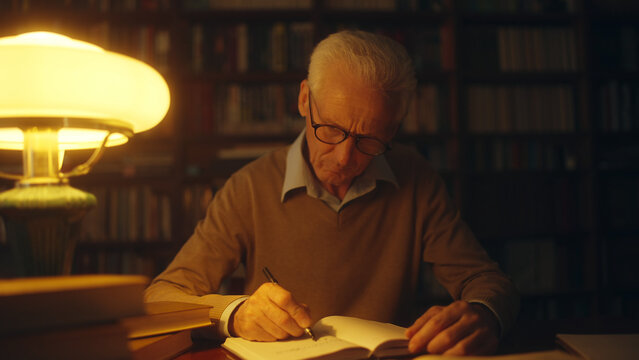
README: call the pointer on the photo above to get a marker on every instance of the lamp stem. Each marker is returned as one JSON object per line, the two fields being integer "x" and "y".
{"x": 40, "y": 155}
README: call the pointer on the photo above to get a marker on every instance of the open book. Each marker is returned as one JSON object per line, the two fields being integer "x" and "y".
{"x": 338, "y": 337}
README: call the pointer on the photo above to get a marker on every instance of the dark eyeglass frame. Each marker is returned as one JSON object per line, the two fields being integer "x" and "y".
{"x": 386, "y": 146}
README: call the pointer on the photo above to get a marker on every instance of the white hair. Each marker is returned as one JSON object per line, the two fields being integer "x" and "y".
{"x": 376, "y": 60}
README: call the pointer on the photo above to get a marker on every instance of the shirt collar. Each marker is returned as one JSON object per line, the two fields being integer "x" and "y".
{"x": 298, "y": 174}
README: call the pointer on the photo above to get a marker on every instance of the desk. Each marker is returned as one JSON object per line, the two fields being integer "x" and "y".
{"x": 207, "y": 350}
{"x": 526, "y": 336}
{"x": 530, "y": 335}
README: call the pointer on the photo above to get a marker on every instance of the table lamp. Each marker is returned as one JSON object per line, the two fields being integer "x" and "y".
{"x": 58, "y": 94}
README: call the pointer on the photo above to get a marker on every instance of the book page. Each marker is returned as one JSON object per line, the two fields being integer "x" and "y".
{"x": 298, "y": 348}
{"x": 369, "y": 334}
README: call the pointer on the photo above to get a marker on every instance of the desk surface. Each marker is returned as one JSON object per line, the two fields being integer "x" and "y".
{"x": 526, "y": 336}
{"x": 207, "y": 351}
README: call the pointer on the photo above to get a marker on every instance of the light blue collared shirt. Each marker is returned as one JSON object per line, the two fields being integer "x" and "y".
{"x": 299, "y": 175}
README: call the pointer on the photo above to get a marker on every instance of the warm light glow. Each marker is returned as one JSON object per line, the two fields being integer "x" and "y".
{"x": 68, "y": 138}
{"x": 50, "y": 76}
{"x": 45, "y": 38}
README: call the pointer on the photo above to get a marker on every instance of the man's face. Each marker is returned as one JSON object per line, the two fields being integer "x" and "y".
{"x": 346, "y": 103}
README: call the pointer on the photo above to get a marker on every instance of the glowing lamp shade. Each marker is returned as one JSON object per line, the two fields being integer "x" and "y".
{"x": 50, "y": 80}
{"x": 60, "y": 94}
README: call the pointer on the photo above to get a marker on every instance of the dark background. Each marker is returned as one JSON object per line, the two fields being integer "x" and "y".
{"x": 529, "y": 110}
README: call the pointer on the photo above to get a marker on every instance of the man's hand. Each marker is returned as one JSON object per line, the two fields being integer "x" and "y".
{"x": 457, "y": 329}
{"x": 270, "y": 314}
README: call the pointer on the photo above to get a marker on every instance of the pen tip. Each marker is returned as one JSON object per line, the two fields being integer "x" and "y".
{"x": 310, "y": 333}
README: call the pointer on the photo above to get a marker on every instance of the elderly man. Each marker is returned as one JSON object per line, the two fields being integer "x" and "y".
{"x": 343, "y": 221}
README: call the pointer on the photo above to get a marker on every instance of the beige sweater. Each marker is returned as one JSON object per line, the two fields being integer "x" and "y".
{"x": 362, "y": 261}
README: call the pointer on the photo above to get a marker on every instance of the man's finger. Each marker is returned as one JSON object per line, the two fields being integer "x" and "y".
{"x": 264, "y": 321}
{"x": 283, "y": 319}
{"x": 449, "y": 337}
{"x": 437, "y": 323}
{"x": 284, "y": 300}
{"x": 412, "y": 330}
{"x": 258, "y": 333}
{"x": 250, "y": 323}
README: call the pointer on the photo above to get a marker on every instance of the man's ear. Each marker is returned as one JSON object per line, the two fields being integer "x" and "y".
{"x": 302, "y": 99}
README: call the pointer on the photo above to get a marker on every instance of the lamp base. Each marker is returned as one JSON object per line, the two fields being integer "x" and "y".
{"x": 42, "y": 224}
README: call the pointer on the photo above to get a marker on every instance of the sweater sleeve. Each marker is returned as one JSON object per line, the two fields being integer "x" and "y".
{"x": 212, "y": 253}
{"x": 459, "y": 262}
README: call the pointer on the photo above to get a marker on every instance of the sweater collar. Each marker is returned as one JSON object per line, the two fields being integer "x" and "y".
{"x": 298, "y": 175}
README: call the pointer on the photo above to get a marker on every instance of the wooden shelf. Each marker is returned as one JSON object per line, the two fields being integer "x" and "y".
{"x": 560, "y": 236}
{"x": 148, "y": 247}
{"x": 518, "y": 19}
{"x": 386, "y": 18}
{"x": 525, "y": 78}
{"x": 542, "y": 136}
{"x": 249, "y": 77}
{"x": 225, "y": 16}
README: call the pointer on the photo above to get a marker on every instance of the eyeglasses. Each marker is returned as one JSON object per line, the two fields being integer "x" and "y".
{"x": 333, "y": 135}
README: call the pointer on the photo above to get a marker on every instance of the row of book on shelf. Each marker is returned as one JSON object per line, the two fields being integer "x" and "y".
{"x": 195, "y": 202}
{"x": 615, "y": 48}
{"x": 368, "y": 5}
{"x": 536, "y": 49}
{"x": 507, "y": 154}
{"x": 105, "y": 261}
{"x": 426, "y": 112}
{"x": 544, "y": 204}
{"x": 519, "y": 49}
{"x": 533, "y": 6}
{"x": 619, "y": 204}
{"x": 386, "y": 5}
{"x": 532, "y": 264}
{"x": 238, "y": 108}
{"x": 619, "y": 106}
{"x": 128, "y": 214}
{"x": 534, "y": 108}
{"x": 91, "y": 5}
{"x": 535, "y": 265}
{"x": 543, "y": 266}
{"x": 272, "y": 109}
{"x": 555, "y": 307}
{"x": 140, "y": 163}
{"x": 440, "y": 154}
{"x": 517, "y": 6}
{"x": 275, "y": 47}
{"x": 430, "y": 47}
{"x": 203, "y": 5}
{"x": 149, "y": 43}
{"x": 624, "y": 250}
{"x": 279, "y": 47}
{"x": 242, "y": 108}
{"x": 137, "y": 213}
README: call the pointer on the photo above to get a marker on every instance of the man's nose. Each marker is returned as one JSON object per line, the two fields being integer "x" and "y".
{"x": 345, "y": 150}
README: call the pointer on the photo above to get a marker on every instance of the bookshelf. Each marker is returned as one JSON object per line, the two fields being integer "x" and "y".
{"x": 614, "y": 82}
{"x": 528, "y": 109}
{"x": 525, "y": 150}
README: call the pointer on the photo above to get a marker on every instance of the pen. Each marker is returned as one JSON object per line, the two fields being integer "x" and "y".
{"x": 271, "y": 278}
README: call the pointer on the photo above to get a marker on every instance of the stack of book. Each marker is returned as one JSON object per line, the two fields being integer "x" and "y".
{"x": 164, "y": 331}
{"x": 92, "y": 317}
